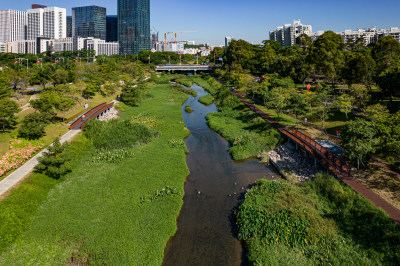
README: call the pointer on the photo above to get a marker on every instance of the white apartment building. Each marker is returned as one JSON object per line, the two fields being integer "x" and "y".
{"x": 286, "y": 35}
{"x": 370, "y": 35}
{"x": 13, "y": 25}
{"x": 50, "y": 22}
{"x": 24, "y": 47}
{"x": 101, "y": 47}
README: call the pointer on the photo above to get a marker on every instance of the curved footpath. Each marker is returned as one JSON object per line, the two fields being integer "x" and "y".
{"x": 19, "y": 175}
{"x": 360, "y": 188}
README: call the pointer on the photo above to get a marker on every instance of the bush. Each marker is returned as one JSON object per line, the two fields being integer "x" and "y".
{"x": 52, "y": 163}
{"x": 188, "y": 109}
{"x": 320, "y": 222}
{"x": 33, "y": 126}
{"x": 132, "y": 94}
{"x": 117, "y": 134}
{"x": 206, "y": 99}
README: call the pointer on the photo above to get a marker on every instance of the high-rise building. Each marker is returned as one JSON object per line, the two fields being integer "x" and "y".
{"x": 133, "y": 26}
{"x": 227, "y": 40}
{"x": 69, "y": 26}
{"x": 13, "y": 25}
{"x": 286, "y": 35}
{"x": 112, "y": 28}
{"x": 50, "y": 22}
{"x": 89, "y": 21}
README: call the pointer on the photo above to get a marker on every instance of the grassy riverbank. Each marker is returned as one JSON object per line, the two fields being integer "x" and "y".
{"x": 318, "y": 222}
{"x": 115, "y": 213}
{"x": 248, "y": 133}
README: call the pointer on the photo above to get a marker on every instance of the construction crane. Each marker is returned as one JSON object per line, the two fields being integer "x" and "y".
{"x": 176, "y": 37}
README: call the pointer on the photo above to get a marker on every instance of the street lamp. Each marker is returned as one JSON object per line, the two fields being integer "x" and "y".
{"x": 27, "y": 62}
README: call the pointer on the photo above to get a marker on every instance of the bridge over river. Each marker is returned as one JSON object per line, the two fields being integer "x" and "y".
{"x": 184, "y": 68}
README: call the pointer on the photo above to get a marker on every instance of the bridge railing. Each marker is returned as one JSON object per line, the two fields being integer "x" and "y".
{"x": 88, "y": 113}
{"x": 99, "y": 111}
{"x": 324, "y": 155}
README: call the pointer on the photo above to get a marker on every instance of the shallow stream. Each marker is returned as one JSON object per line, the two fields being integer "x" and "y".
{"x": 215, "y": 187}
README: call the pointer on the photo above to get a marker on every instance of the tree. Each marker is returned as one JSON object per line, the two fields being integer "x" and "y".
{"x": 278, "y": 100}
{"x": 358, "y": 139}
{"x": 64, "y": 104}
{"x": 33, "y": 126}
{"x": 360, "y": 93}
{"x": 386, "y": 53}
{"x": 53, "y": 161}
{"x": 389, "y": 82}
{"x": 373, "y": 112}
{"x": 311, "y": 99}
{"x": 323, "y": 107}
{"x": 131, "y": 94}
{"x": 387, "y": 129}
{"x": 359, "y": 68}
{"x": 345, "y": 103}
{"x": 328, "y": 55}
{"x": 4, "y": 86}
{"x": 8, "y": 109}
{"x": 298, "y": 105}
{"x": 60, "y": 76}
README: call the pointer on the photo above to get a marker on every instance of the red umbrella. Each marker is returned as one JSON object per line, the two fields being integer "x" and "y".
{"x": 308, "y": 86}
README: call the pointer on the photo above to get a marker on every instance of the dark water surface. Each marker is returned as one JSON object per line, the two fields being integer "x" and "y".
{"x": 216, "y": 185}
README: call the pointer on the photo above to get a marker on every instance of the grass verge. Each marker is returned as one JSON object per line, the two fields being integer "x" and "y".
{"x": 318, "y": 222}
{"x": 98, "y": 216}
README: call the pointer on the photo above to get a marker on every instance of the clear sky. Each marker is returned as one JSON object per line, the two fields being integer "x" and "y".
{"x": 250, "y": 20}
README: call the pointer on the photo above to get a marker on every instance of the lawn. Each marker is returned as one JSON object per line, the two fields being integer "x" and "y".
{"x": 98, "y": 215}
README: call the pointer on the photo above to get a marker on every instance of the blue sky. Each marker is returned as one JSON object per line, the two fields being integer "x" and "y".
{"x": 250, "y": 20}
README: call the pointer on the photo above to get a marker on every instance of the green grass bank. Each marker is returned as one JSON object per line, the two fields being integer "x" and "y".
{"x": 320, "y": 221}
{"x": 248, "y": 133}
{"x": 115, "y": 213}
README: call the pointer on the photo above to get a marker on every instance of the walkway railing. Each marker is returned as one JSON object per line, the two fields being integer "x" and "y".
{"x": 87, "y": 114}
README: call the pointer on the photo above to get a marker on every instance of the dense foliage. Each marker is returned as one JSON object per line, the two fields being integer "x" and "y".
{"x": 319, "y": 222}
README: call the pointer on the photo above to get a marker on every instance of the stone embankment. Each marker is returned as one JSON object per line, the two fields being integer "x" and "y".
{"x": 111, "y": 114}
{"x": 292, "y": 163}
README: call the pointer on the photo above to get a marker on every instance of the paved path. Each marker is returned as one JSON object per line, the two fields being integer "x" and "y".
{"x": 18, "y": 175}
{"x": 360, "y": 188}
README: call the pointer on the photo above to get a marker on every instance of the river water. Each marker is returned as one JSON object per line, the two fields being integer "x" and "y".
{"x": 215, "y": 187}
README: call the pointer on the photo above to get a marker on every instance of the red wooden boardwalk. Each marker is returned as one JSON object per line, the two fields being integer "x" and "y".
{"x": 331, "y": 162}
{"x": 89, "y": 115}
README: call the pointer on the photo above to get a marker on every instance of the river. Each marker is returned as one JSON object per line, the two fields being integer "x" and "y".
{"x": 215, "y": 187}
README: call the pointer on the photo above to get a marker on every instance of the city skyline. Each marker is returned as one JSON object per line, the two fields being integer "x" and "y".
{"x": 251, "y": 22}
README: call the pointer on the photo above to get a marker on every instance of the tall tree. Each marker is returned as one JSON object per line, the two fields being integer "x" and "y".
{"x": 8, "y": 109}
{"x": 358, "y": 139}
{"x": 345, "y": 104}
{"x": 298, "y": 105}
{"x": 328, "y": 55}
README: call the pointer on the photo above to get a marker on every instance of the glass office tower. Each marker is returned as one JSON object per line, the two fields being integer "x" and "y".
{"x": 89, "y": 21}
{"x": 112, "y": 28}
{"x": 133, "y": 26}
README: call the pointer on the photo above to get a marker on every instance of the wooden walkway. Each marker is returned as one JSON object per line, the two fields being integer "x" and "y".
{"x": 337, "y": 167}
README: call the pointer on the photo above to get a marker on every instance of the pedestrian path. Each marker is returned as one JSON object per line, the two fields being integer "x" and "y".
{"x": 344, "y": 176}
{"x": 19, "y": 175}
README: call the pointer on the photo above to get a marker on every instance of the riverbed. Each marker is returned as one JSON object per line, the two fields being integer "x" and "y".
{"x": 216, "y": 185}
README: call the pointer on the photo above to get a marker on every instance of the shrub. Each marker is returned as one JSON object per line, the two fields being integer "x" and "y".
{"x": 321, "y": 222}
{"x": 182, "y": 89}
{"x": 188, "y": 109}
{"x": 52, "y": 163}
{"x": 117, "y": 134}
{"x": 206, "y": 99}
{"x": 33, "y": 126}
